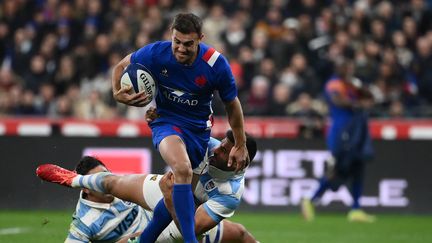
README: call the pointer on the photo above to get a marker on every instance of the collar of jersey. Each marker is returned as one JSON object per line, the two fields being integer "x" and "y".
{"x": 199, "y": 56}
{"x": 96, "y": 204}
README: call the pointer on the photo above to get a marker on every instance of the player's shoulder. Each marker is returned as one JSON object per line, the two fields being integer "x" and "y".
{"x": 334, "y": 83}
{"x": 213, "y": 142}
{"x": 213, "y": 58}
{"x": 159, "y": 47}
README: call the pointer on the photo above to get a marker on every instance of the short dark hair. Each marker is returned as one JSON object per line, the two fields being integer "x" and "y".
{"x": 251, "y": 143}
{"x": 187, "y": 23}
{"x": 86, "y": 164}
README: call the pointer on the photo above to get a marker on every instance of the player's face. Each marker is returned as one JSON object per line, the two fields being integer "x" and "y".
{"x": 98, "y": 196}
{"x": 185, "y": 46}
{"x": 221, "y": 155}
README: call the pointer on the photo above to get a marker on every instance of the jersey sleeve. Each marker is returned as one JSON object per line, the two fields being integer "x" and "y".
{"x": 226, "y": 83}
{"x": 144, "y": 55}
{"x": 223, "y": 204}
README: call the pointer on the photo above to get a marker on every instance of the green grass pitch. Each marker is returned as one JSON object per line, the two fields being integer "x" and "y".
{"x": 51, "y": 226}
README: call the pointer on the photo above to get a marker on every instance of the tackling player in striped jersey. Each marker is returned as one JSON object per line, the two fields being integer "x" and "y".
{"x": 101, "y": 216}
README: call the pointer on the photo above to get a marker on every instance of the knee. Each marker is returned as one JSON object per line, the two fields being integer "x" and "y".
{"x": 183, "y": 170}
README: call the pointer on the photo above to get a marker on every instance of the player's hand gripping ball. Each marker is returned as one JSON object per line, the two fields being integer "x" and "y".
{"x": 138, "y": 76}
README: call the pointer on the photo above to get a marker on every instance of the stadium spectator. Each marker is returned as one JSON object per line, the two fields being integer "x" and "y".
{"x": 45, "y": 101}
{"x": 89, "y": 31}
{"x": 93, "y": 107}
{"x": 280, "y": 99}
{"x": 257, "y": 101}
{"x": 63, "y": 108}
{"x": 310, "y": 115}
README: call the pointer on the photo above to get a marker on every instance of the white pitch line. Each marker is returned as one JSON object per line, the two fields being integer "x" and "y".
{"x": 13, "y": 231}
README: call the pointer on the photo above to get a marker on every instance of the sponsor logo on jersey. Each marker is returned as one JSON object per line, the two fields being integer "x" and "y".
{"x": 179, "y": 96}
{"x": 127, "y": 222}
{"x": 210, "y": 185}
{"x": 164, "y": 72}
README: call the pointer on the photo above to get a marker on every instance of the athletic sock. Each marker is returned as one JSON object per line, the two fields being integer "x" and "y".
{"x": 356, "y": 192}
{"x": 161, "y": 219}
{"x": 324, "y": 184}
{"x": 92, "y": 182}
{"x": 185, "y": 210}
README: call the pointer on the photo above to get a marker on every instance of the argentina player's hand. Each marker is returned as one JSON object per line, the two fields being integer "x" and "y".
{"x": 151, "y": 114}
{"x": 123, "y": 95}
{"x": 238, "y": 157}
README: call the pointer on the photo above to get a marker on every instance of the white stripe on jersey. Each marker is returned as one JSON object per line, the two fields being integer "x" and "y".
{"x": 213, "y": 58}
{"x": 91, "y": 216}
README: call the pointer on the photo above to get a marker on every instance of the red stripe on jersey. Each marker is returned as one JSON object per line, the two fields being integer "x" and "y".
{"x": 208, "y": 54}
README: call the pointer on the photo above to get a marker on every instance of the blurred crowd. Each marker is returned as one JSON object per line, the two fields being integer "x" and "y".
{"x": 56, "y": 56}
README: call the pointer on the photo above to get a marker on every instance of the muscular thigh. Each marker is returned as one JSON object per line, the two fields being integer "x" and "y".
{"x": 128, "y": 188}
{"x": 184, "y": 144}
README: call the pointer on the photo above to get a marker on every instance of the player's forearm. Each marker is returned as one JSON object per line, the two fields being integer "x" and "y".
{"x": 236, "y": 121}
{"x": 117, "y": 72}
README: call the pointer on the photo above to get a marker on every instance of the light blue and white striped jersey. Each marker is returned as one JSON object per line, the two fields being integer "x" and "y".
{"x": 106, "y": 222}
{"x": 109, "y": 222}
{"x": 220, "y": 192}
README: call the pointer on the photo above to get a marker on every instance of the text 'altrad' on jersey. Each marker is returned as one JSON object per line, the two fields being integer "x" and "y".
{"x": 185, "y": 92}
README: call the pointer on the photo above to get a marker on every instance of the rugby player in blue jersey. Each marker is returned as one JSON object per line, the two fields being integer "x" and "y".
{"x": 100, "y": 216}
{"x": 187, "y": 73}
{"x": 348, "y": 139}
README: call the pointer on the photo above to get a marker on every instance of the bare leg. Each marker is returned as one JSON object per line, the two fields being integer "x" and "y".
{"x": 127, "y": 187}
{"x": 236, "y": 233}
{"x": 173, "y": 151}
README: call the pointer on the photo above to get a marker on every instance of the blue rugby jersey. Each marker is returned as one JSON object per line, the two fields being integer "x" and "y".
{"x": 340, "y": 116}
{"x": 106, "y": 222}
{"x": 185, "y": 93}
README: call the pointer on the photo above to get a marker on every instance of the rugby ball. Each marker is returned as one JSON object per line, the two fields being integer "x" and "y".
{"x": 139, "y": 77}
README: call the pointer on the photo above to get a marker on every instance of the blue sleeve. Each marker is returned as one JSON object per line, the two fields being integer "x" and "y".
{"x": 226, "y": 83}
{"x": 144, "y": 55}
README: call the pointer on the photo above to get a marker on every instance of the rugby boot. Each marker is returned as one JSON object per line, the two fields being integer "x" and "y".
{"x": 55, "y": 174}
{"x": 358, "y": 215}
